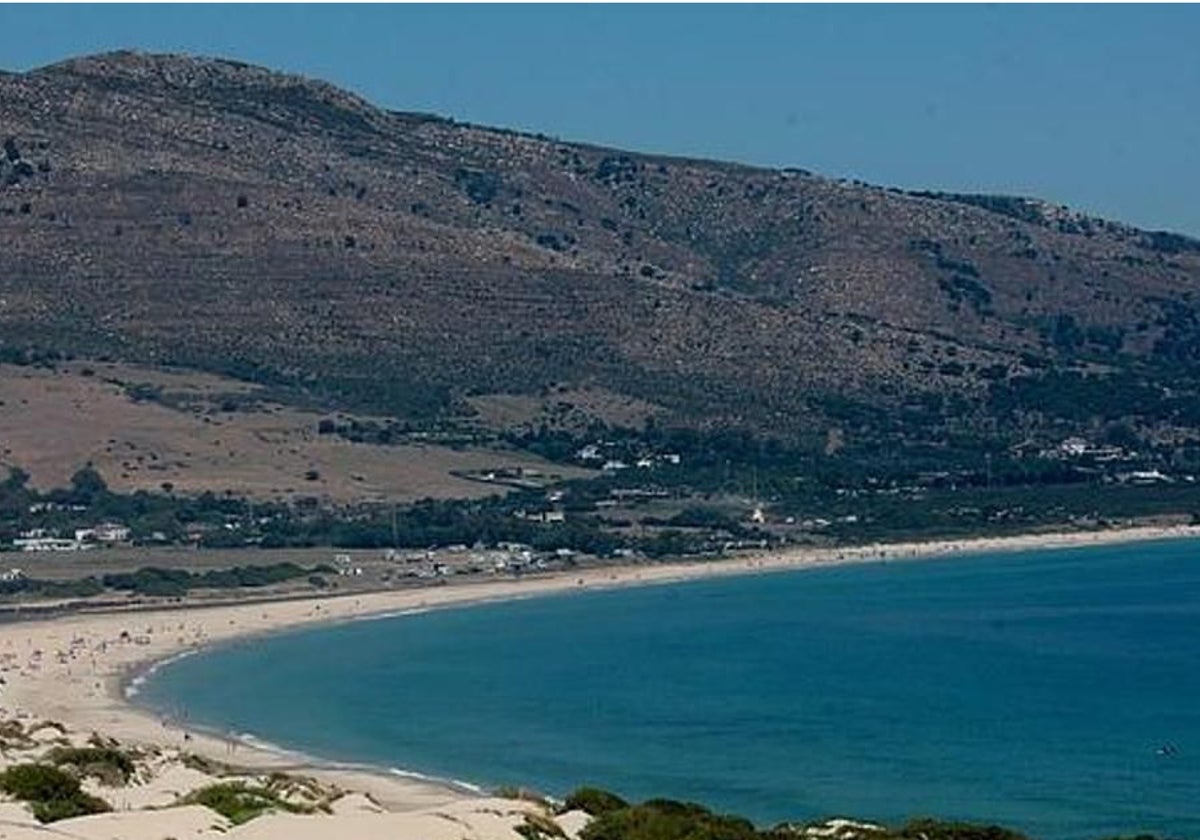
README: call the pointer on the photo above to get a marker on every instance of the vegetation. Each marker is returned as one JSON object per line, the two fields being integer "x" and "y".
{"x": 539, "y": 827}
{"x": 32, "y": 782}
{"x": 14, "y": 736}
{"x": 171, "y": 582}
{"x": 594, "y": 801}
{"x": 1015, "y": 207}
{"x": 664, "y": 819}
{"x": 877, "y": 485}
{"x": 207, "y": 766}
{"x": 150, "y": 581}
{"x": 928, "y": 829}
{"x": 52, "y": 793}
{"x": 111, "y": 766}
{"x": 639, "y": 287}
{"x": 240, "y": 802}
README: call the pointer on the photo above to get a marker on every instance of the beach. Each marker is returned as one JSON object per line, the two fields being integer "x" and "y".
{"x": 81, "y": 670}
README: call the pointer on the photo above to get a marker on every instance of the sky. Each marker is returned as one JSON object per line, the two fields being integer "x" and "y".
{"x": 1093, "y": 106}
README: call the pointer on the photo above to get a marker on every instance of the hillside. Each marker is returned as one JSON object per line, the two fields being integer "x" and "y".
{"x": 147, "y": 430}
{"x": 211, "y": 215}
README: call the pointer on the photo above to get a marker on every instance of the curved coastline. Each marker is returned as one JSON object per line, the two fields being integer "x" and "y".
{"x": 138, "y": 674}
{"x": 61, "y": 687}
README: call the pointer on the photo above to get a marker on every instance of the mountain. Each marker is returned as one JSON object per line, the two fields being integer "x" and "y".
{"x": 213, "y": 215}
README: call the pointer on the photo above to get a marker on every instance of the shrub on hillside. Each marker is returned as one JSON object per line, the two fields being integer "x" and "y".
{"x": 239, "y": 802}
{"x": 111, "y": 766}
{"x": 664, "y": 819}
{"x": 539, "y": 827}
{"x": 927, "y": 829}
{"x": 52, "y": 793}
{"x": 37, "y": 781}
{"x": 79, "y": 805}
{"x": 594, "y": 801}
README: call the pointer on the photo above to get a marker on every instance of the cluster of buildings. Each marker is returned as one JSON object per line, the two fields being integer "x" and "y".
{"x": 39, "y": 539}
{"x": 595, "y": 453}
{"x": 1081, "y": 449}
{"x": 1077, "y": 447}
{"x": 505, "y": 558}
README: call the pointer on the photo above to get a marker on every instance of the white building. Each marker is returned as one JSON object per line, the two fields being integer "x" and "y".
{"x": 112, "y": 532}
{"x": 48, "y": 544}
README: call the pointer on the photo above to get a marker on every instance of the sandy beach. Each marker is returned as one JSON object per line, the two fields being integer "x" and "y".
{"x": 78, "y": 670}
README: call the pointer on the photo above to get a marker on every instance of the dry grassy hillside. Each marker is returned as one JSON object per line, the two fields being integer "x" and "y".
{"x": 52, "y": 422}
{"x": 223, "y": 217}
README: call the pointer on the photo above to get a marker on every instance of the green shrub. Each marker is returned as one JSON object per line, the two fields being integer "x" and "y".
{"x": 663, "y": 819}
{"x": 33, "y": 782}
{"x": 594, "y": 801}
{"x": 927, "y": 829}
{"x": 52, "y": 793}
{"x": 111, "y": 766}
{"x": 539, "y": 827}
{"x": 79, "y": 805}
{"x": 239, "y": 802}
{"x": 207, "y": 766}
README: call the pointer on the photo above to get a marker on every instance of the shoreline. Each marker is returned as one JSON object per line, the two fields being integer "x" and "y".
{"x": 78, "y": 668}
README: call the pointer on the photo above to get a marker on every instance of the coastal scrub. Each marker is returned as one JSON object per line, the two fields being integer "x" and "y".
{"x": 239, "y": 802}
{"x": 108, "y": 765}
{"x": 53, "y": 794}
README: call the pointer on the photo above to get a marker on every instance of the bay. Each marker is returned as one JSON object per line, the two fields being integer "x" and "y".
{"x": 1036, "y": 690}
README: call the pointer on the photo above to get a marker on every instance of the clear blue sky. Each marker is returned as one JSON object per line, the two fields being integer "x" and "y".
{"x": 1097, "y": 107}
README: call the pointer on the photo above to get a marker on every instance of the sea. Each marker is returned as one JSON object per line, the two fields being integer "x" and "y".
{"x": 1055, "y": 692}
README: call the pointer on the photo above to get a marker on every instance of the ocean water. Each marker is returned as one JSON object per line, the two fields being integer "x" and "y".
{"x": 1034, "y": 690}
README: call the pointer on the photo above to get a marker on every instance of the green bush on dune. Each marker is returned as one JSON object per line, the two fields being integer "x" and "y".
{"x": 240, "y": 802}
{"x": 539, "y": 827}
{"x": 53, "y": 794}
{"x": 64, "y": 809}
{"x": 33, "y": 782}
{"x": 110, "y": 766}
{"x": 665, "y": 819}
{"x": 928, "y": 829}
{"x": 594, "y": 801}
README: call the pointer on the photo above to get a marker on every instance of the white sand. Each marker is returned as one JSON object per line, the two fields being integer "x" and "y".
{"x": 71, "y": 670}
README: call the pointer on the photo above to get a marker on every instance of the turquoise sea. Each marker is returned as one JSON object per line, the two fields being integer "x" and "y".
{"x": 1057, "y": 692}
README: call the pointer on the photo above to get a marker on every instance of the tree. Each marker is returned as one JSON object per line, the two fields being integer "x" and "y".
{"x": 16, "y": 481}
{"x": 1065, "y": 333}
{"x": 14, "y": 494}
{"x": 87, "y": 486}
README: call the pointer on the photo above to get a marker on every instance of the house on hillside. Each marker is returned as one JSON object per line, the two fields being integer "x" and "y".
{"x": 1076, "y": 447}
{"x": 591, "y": 452}
{"x": 112, "y": 532}
{"x": 542, "y": 515}
{"x": 1073, "y": 447}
